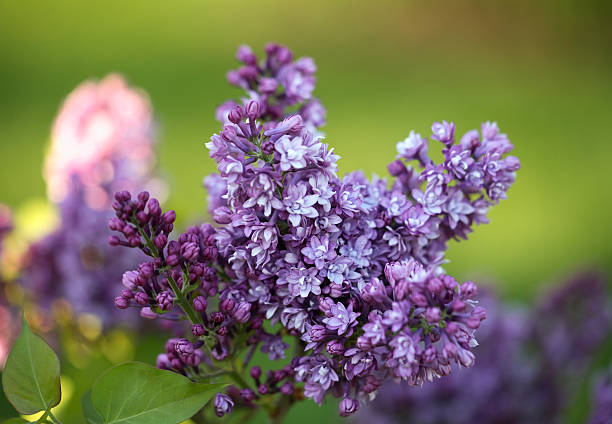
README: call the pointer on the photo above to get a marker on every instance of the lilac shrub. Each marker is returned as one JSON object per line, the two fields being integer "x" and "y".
{"x": 348, "y": 269}
{"x": 573, "y": 321}
{"x": 529, "y": 364}
{"x": 7, "y": 313}
{"x": 102, "y": 139}
{"x": 602, "y": 402}
{"x": 6, "y": 224}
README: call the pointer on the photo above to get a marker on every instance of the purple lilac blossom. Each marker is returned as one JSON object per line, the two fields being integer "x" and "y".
{"x": 602, "y": 401}
{"x": 6, "y": 224}
{"x": 505, "y": 385}
{"x": 75, "y": 263}
{"x": 573, "y": 320}
{"x": 347, "y": 267}
{"x": 529, "y": 364}
{"x": 102, "y": 140}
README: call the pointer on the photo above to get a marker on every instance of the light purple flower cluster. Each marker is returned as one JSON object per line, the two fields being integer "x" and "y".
{"x": 526, "y": 371}
{"x": 504, "y": 386}
{"x": 277, "y": 84}
{"x": 349, "y": 264}
{"x": 350, "y": 268}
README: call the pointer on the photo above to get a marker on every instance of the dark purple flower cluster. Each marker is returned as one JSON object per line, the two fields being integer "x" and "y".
{"x": 180, "y": 281}
{"x": 602, "y": 402}
{"x": 348, "y": 267}
{"x": 6, "y": 224}
{"x": 519, "y": 377}
{"x": 72, "y": 264}
{"x": 572, "y": 321}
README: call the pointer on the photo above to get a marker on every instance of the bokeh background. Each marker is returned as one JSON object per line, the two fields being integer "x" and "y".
{"x": 541, "y": 69}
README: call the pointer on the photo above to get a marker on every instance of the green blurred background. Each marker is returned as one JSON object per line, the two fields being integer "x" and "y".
{"x": 541, "y": 69}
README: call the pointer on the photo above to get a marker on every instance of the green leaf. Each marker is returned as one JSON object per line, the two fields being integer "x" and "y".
{"x": 15, "y": 421}
{"x": 31, "y": 378}
{"x": 90, "y": 412}
{"x": 136, "y": 393}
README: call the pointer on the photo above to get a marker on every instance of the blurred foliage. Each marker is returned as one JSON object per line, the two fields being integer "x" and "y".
{"x": 540, "y": 69}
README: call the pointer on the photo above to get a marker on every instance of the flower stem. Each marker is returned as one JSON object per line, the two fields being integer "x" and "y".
{"x": 184, "y": 303}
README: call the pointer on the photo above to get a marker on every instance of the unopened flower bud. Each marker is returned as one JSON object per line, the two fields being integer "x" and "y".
{"x": 247, "y": 394}
{"x": 198, "y": 330}
{"x": 165, "y": 300}
{"x": 121, "y": 302}
{"x": 243, "y": 312}
{"x": 141, "y": 298}
{"x": 199, "y": 303}
{"x": 348, "y": 407}
{"x": 235, "y": 114}
{"x": 255, "y": 372}
{"x": 227, "y": 305}
{"x": 335, "y": 347}
{"x": 252, "y": 109}
{"x": 433, "y": 315}
{"x": 287, "y": 389}
{"x": 223, "y": 404}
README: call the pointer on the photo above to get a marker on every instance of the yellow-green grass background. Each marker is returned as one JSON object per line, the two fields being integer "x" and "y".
{"x": 541, "y": 69}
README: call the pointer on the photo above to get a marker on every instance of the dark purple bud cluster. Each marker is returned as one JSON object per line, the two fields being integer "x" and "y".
{"x": 179, "y": 273}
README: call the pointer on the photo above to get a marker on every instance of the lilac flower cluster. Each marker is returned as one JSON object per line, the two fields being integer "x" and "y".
{"x": 504, "y": 386}
{"x": 349, "y": 264}
{"x": 572, "y": 321}
{"x": 6, "y": 224}
{"x": 518, "y": 377}
{"x": 72, "y": 264}
{"x": 602, "y": 405}
{"x": 347, "y": 267}
{"x": 277, "y": 84}
{"x": 102, "y": 139}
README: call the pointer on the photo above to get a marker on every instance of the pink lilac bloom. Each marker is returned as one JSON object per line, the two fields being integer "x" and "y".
{"x": 349, "y": 268}
{"x": 102, "y": 140}
{"x": 8, "y": 317}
